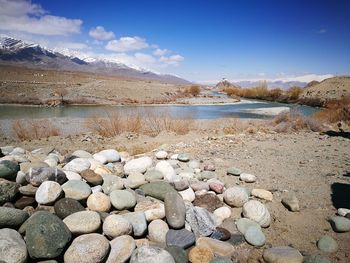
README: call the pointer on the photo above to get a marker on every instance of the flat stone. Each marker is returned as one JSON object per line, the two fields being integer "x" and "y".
{"x": 116, "y": 225}
{"x": 157, "y": 189}
{"x": 208, "y": 201}
{"x": 316, "y": 259}
{"x": 48, "y": 192}
{"x": 149, "y": 254}
{"x": 175, "y": 210}
{"x": 290, "y": 201}
{"x": 138, "y": 165}
{"x": 340, "y": 224}
{"x": 89, "y": 248}
{"x": 179, "y": 254}
{"x": 8, "y": 191}
{"x": 183, "y": 157}
{"x": 262, "y": 194}
{"x": 201, "y": 221}
{"x": 77, "y": 165}
{"x": 12, "y": 217}
{"x": 244, "y": 223}
{"x": 153, "y": 175}
{"x": 248, "y": 178}
{"x": 82, "y": 154}
{"x": 233, "y": 171}
{"x": 327, "y": 244}
{"x": 180, "y": 238}
{"x": 99, "y": 202}
{"x": 218, "y": 247}
{"x": 198, "y": 186}
{"x": 76, "y": 189}
{"x": 221, "y": 234}
{"x": 236, "y": 196}
{"x": 138, "y": 222}
{"x": 91, "y": 177}
{"x": 254, "y": 236}
{"x": 25, "y": 201}
{"x": 83, "y": 222}
{"x": 282, "y": 255}
{"x": 157, "y": 231}
{"x": 121, "y": 249}
{"x": 135, "y": 180}
{"x": 200, "y": 255}
{"x": 161, "y": 155}
{"x": 28, "y": 190}
{"x": 8, "y": 169}
{"x": 122, "y": 199}
{"x": 12, "y": 247}
{"x": 67, "y": 206}
{"x": 36, "y": 176}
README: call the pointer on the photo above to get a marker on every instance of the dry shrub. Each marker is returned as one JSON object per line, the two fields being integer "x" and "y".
{"x": 335, "y": 111}
{"x": 294, "y": 93}
{"x": 193, "y": 90}
{"x": 293, "y": 120}
{"x": 34, "y": 129}
{"x": 243, "y": 126}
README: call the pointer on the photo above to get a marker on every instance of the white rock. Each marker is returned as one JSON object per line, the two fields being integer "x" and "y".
{"x": 262, "y": 194}
{"x": 72, "y": 175}
{"x": 343, "y": 211}
{"x": 248, "y": 178}
{"x": 157, "y": 230}
{"x": 153, "y": 209}
{"x": 221, "y": 214}
{"x": 138, "y": 165}
{"x": 96, "y": 189}
{"x": 100, "y": 158}
{"x": 135, "y": 180}
{"x": 167, "y": 170}
{"x": 77, "y": 165}
{"x": 188, "y": 195}
{"x": 194, "y": 164}
{"x": 94, "y": 163}
{"x": 116, "y": 225}
{"x": 174, "y": 156}
{"x": 82, "y": 154}
{"x": 160, "y": 155}
{"x": 107, "y": 156}
{"x": 257, "y": 212}
{"x": 102, "y": 170}
{"x": 52, "y": 162}
{"x": 236, "y": 196}
{"x": 48, "y": 192}
{"x": 99, "y": 202}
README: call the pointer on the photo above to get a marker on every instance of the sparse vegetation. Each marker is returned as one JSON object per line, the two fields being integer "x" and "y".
{"x": 335, "y": 111}
{"x": 193, "y": 90}
{"x": 34, "y": 129}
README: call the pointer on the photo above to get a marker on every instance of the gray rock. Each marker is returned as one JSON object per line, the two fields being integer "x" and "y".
{"x": 116, "y": 225}
{"x": 111, "y": 183}
{"x": 340, "y": 224}
{"x": 282, "y": 255}
{"x": 121, "y": 249}
{"x": 67, "y": 206}
{"x": 206, "y": 175}
{"x": 82, "y": 154}
{"x": 254, "y": 236}
{"x": 236, "y": 239}
{"x": 46, "y": 235}
{"x": 11, "y": 217}
{"x": 221, "y": 260}
{"x": 234, "y": 171}
{"x": 138, "y": 222}
{"x": 244, "y": 223}
{"x": 157, "y": 231}
{"x": 36, "y": 176}
{"x": 12, "y": 247}
{"x": 290, "y": 201}
{"x": 83, "y": 222}
{"x": 157, "y": 189}
{"x": 135, "y": 180}
{"x": 316, "y": 259}
{"x": 148, "y": 254}
{"x": 8, "y": 191}
{"x": 89, "y": 248}
{"x": 179, "y": 254}
{"x": 175, "y": 210}
{"x": 8, "y": 169}
{"x": 180, "y": 238}
{"x": 183, "y": 157}
{"x": 201, "y": 221}
{"x": 153, "y": 175}
{"x": 181, "y": 185}
{"x": 76, "y": 189}
{"x": 122, "y": 199}
{"x": 138, "y": 165}
{"x": 327, "y": 244}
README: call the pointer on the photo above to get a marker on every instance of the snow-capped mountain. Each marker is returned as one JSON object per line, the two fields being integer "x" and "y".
{"x": 17, "y": 52}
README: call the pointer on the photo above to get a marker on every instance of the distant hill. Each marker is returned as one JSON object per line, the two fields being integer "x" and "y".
{"x": 16, "y": 52}
{"x": 225, "y": 84}
{"x": 332, "y": 88}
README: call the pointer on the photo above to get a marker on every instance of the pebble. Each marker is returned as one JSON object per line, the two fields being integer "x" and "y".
{"x": 167, "y": 170}
{"x": 217, "y": 187}
{"x": 340, "y": 224}
{"x": 175, "y": 210}
{"x": 208, "y": 201}
{"x": 198, "y": 186}
{"x": 48, "y": 192}
{"x": 76, "y": 189}
{"x": 107, "y": 156}
{"x": 12, "y": 247}
{"x": 194, "y": 164}
{"x": 8, "y": 169}
{"x": 201, "y": 221}
{"x": 28, "y": 190}
{"x": 221, "y": 260}
{"x": 12, "y": 217}
{"x": 179, "y": 254}
{"x": 282, "y": 255}
{"x": 82, "y": 154}
{"x": 316, "y": 259}
{"x": 221, "y": 214}
{"x": 161, "y": 155}
{"x": 8, "y": 190}
{"x": 200, "y": 255}
{"x": 236, "y": 239}
{"x": 122, "y": 199}
{"x": 72, "y": 175}
{"x": 121, "y": 249}
{"x": 138, "y": 165}
{"x": 181, "y": 185}
{"x": 111, "y": 183}
{"x": 207, "y": 175}
{"x": 89, "y": 248}
{"x": 99, "y": 202}
{"x": 180, "y": 238}
{"x": 248, "y": 178}
{"x": 343, "y": 211}
{"x": 116, "y": 225}
{"x": 83, "y": 222}
{"x": 149, "y": 254}
{"x": 221, "y": 234}
{"x": 327, "y": 244}
{"x": 138, "y": 222}
{"x": 244, "y": 223}
{"x": 91, "y": 177}
{"x": 157, "y": 189}
{"x": 77, "y": 165}
{"x": 21, "y": 178}
{"x": 257, "y": 212}
{"x": 183, "y": 157}
{"x": 67, "y": 206}
{"x": 25, "y": 201}
{"x": 157, "y": 231}
{"x": 188, "y": 195}
{"x": 209, "y": 167}
{"x": 135, "y": 180}
{"x": 254, "y": 236}
{"x": 262, "y": 194}
{"x": 219, "y": 248}
{"x": 290, "y": 201}
{"x": 153, "y": 175}
{"x": 236, "y": 196}
{"x": 96, "y": 189}
{"x": 234, "y": 171}
{"x": 37, "y": 176}
{"x": 152, "y": 208}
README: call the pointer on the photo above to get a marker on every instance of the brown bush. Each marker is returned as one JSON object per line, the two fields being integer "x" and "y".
{"x": 193, "y": 90}
{"x": 294, "y": 93}
{"x": 335, "y": 111}
{"x": 34, "y": 129}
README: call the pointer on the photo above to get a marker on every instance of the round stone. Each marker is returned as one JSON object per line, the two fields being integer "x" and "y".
{"x": 160, "y": 155}
{"x": 244, "y": 223}
{"x": 257, "y": 212}
{"x": 340, "y": 224}
{"x": 183, "y": 157}
{"x": 175, "y": 210}
{"x": 157, "y": 189}
{"x": 122, "y": 199}
{"x": 138, "y": 165}
{"x": 89, "y": 248}
{"x": 153, "y": 175}
{"x": 179, "y": 254}
{"x": 148, "y": 254}
{"x": 135, "y": 180}
{"x": 107, "y": 156}
{"x": 48, "y": 192}
{"x": 83, "y": 222}
{"x": 8, "y": 190}
{"x": 221, "y": 214}
{"x": 67, "y": 206}
{"x": 8, "y": 169}
{"x": 200, "y": 255}
{"x": 76, "y": 189}
{"x": 77, "y": 165}
{"x": 221, "y": 234}
{"x": 236, "y": 196}
{"x": 208, "y": 201}
{"x": 152, "y": 208}
{"x": 167, "y": 170}
{"x": 138, "y": 222}
{"x": 99, "y": 202}
{"x": 111, "y": 183}
{"x": 234, "y": 171}
{"x": 198, "y": 186}
{"x": 157, "y": 230}
{"x": 181, "y": 185}
{"x": 116, "y": 225}
{"x": 91, "y": 177}
{"x": 180, "y": 238}
{"x": 188, "y": 195}
{"x": 36, "y": 176}
{"x": 12, "y": 247}
{"x": 327, "y": 244}
{"x": 282, "y": 255}
{"x": 248, "y": 178}
{"x": 12, "y": 217}
{"x": 121, "y": 249}
{"x": 254, "y": 236}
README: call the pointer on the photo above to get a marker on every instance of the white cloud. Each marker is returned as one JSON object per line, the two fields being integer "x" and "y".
{"x": 23, "y": 16}
{"x": 161, "y": 52}
{"x": 125, "y": 44}
{"x": 322, "y": 31}
{"x": 100, "y": 33}
{"x": 306, "y": 78}
{"x": 144, "y": 58}
{"x": 171, "y": 60}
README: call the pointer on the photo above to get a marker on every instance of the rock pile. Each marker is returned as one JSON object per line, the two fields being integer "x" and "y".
{"x": 110, "y": 207}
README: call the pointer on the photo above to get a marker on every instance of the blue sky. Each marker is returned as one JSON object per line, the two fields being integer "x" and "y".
{"x": 201, "y": 41}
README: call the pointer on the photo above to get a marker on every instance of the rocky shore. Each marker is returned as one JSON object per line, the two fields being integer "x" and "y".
{"x": 169, "y": 205}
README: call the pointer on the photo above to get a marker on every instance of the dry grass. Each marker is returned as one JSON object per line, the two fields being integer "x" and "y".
{"x": 193, "y": 90}
{"x": 236, "y": 126}
{"x": 34, "y": 129}
{"x": 335, "y": 111}
{"x": 150, "y": 124}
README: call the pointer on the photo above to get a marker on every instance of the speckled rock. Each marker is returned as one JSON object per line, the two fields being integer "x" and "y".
{"x": 282, "y": 255}
{"x": 116, "y": 225}
{"x": 12, "y": 217}
{"x": 67, "y": 206}
{"x": 99, "y": 202}
{"x": 200, "y": 255}
{"x": 236, "y": 196}
{"x": 48, "y": 192}
{"x": 219, "y": 248}
{"x": 8, "y": 169}
{"x": 208, "y": 201}
{"x": 122, "y": 199}
{"x": 8, "y": 190}
{"x": 12, "y": 247}
{"x": 121, "y": 249}
{"x": 157, "y": 231}
{"x": 83, "y": 222}
{"x": 201, "y": 221}
{"x": 148, "y": 254}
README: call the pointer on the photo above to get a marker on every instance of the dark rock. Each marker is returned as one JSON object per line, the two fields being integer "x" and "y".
{"x": 316, "y": 259}
{"x": 11, "y": 217}
{"x": 208, "y": 201}
{"x": 37, "y": 176}
{"x": 25, "y": 201}
{"x": 175, "y": 210}
{"x": 181, "y": 238}
{"x": 221, "y": 234}
{"x": 1, "y": 154}
{"x": 67, "y": 206}
{"x": 236, "y": 239}
{"x": 178, "y": 254}
{"x": 157, "y": 189}
{"x": 91, "y": 177}
{"x": 8, "y": 190}
{"x": 8, "y": 169}
{"x": 347, "y": 215}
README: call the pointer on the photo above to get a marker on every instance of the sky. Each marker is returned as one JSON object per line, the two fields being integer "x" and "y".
{"x": 201, "y": 41}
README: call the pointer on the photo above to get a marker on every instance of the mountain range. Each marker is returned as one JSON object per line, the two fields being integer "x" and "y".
{"x": 17, "y": 52}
